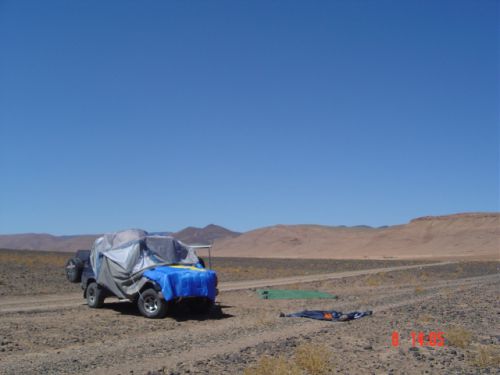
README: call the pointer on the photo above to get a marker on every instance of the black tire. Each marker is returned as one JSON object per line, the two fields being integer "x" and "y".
{"x": 95, "y": 297}
{"x": 201, "y": 306}
{"x": 73, "y": 269}
{"x": 151, "y": 305}
{"x": 202, "y": 262}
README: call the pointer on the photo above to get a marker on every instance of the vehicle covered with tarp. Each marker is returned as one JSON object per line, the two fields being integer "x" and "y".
{"x": 150, "y": 269}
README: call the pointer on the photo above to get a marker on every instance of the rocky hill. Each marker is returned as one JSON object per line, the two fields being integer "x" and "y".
{"x": 206, "y": 235}
{"x": 42, "y": 241}
{"x": 450, "y": 236}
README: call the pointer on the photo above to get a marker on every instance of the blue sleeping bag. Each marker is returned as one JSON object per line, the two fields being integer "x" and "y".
{"x": 184, "y": 281}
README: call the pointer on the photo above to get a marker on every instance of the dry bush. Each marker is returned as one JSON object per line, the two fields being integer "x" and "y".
{"x": 447, "y": 292}
{"x": 364, "y": 301}
{"x": 375, "y": 279}
{"x": 264, "y": 317}
{"x": 411, "y": 277}
{"x": 273, "y": 366}
{"x": 424, "y": 276}
{"x": 314, "y": 359}
{"x": 487, "y": 356}
{"x": 310, "y": 359}
{"x": 419, "y": 290}
{"x": 459, "y": 337}
{"x": 426, "y": 318}
{"x": 459, "y": 271}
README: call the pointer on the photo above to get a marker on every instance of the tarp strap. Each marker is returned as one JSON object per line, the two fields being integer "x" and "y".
{"x": 138, "y": 290}
{"x": 192, "y": 268}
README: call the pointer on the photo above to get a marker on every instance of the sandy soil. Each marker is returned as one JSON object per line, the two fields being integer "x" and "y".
{"x": 243, "y": 328}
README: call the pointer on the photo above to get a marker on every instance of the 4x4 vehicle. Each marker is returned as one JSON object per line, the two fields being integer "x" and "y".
{"x": 152, "y": 271}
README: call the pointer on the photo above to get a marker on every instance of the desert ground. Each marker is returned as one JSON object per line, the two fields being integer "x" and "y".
{"x": 46, "y": 327}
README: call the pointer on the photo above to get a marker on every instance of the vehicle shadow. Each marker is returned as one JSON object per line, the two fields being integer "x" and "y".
{"x": 179, "y": 311}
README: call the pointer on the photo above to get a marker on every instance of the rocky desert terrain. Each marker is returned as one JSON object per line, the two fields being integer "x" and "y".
{"x": 45, "y": 326}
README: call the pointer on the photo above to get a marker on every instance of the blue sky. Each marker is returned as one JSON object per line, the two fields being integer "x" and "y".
{"x": 163, "y": 114}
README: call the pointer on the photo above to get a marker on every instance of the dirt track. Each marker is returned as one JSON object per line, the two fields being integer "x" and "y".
{"x": 58, "y": 302}
{"x": 115, "y": 339}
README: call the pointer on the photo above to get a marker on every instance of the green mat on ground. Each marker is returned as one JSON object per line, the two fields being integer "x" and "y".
{"x": 293, "y": 294}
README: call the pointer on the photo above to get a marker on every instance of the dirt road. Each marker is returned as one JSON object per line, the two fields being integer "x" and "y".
{"x": 69, "y": 300}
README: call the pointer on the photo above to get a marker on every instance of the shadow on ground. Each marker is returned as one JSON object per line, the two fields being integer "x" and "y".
{"x": 179, "y": 311}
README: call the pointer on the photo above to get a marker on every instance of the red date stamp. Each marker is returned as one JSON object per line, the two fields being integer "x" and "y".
{"x": 420, "y": 338}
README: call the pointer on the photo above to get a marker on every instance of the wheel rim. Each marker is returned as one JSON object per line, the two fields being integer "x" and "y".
{"x": 91, "y": 293}
{"x": 70, "y": 269}
{"x": 150, "y": 304}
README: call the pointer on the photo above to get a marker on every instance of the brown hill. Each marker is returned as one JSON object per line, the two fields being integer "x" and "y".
{"x": 42, "y": 241}
{"x": 459, "y": 235}
{"x": 207, "y": 235}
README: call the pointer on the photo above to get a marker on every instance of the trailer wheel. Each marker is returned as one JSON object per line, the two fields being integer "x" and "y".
{"x": 151, "y": 305}
{"x": 95, "y": 298}
{"x": 73, "y": 269}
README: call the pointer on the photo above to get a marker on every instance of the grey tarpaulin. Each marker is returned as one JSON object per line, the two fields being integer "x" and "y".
{"x": 119, "y": 259}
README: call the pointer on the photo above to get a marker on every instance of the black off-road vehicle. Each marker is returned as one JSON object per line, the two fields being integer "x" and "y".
{"x": 150, "y": 300}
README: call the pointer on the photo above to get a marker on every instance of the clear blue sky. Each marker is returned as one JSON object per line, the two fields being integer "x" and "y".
{"x": 163, "y": 114}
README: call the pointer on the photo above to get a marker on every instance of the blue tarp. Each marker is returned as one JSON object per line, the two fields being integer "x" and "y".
{"x": 184, "y": 281}
{"x": 331, "y": 315}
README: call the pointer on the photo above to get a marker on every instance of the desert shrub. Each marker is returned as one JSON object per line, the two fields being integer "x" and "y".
{"x": 458, "y": 336}
{"x": 309, "y": 359}
{"x": 487, "y": 356}
{"x": 375, "y": 280}
{"x": 313, "y": 359}
{"x": 426, "y": 318}
{"x": 273, "y": 366}
{"x": 419, "y": 290}
{"x": 424, "y": 276}
{"x": 459, "y": 270}
{"x": 264, "y": 317}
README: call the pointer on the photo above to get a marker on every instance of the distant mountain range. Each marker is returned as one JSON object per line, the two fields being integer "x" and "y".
{"x": 206, "y": 235}
{"x": 48, "y": 242}
{"x": 465, "y": 235}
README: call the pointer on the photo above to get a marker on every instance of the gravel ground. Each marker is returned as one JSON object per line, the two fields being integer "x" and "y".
{"x": 243, "y": 329}
{"x": 365, "y": 346}
{"x": 24, "y": 272}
